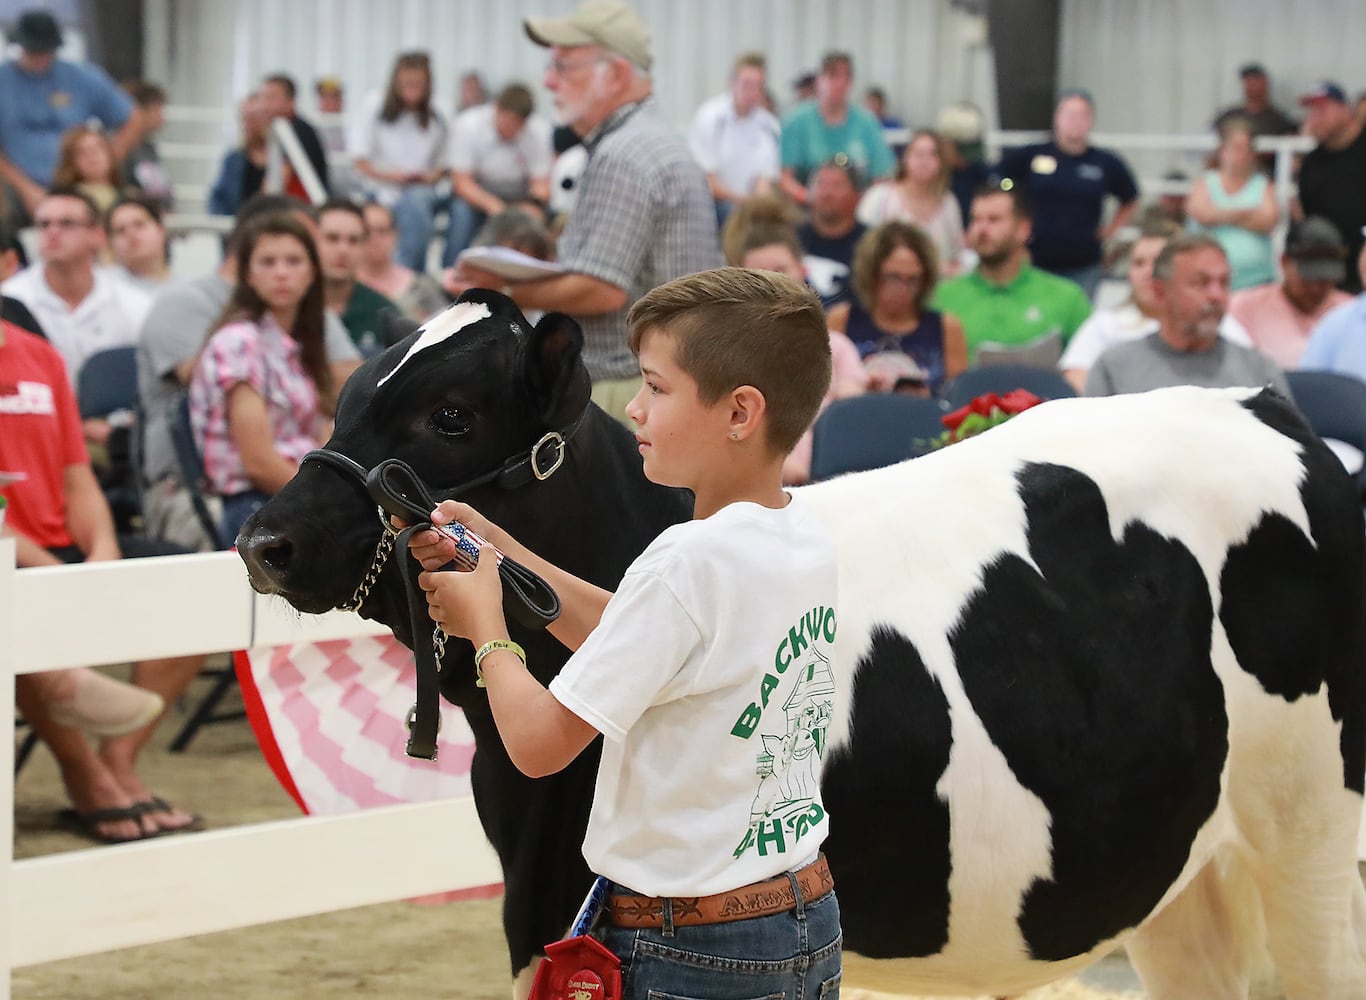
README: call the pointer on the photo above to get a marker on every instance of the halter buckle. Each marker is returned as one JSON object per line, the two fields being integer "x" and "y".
{"x": 552, "y": 437}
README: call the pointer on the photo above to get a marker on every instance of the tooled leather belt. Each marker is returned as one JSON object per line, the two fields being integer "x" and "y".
{"x": 759, "y": 899}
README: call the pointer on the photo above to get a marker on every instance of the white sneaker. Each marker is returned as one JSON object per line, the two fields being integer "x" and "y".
{"x": 103, "y": 706}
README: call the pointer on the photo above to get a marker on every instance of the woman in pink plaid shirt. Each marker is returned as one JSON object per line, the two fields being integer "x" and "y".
{"x": 254, "y": 397}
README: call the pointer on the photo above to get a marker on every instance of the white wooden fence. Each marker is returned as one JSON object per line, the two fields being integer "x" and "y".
{"x": 105, "y": 898}
{"x": 101, "y": 899}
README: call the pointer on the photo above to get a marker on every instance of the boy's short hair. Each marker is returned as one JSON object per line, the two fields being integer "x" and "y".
{"x": 733, "y": 326}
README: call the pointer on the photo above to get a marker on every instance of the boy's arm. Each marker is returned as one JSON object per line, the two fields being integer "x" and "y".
{"x": 581, "y": 603}
{"x": 540, "y": 734}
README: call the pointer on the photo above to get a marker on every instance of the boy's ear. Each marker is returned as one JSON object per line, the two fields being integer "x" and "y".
{"x": 748, "y": 407}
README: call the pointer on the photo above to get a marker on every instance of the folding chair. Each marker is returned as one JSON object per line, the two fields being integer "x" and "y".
{"x": 1046, "y": 383}
{"x": 1335, "y": 406}
{"x": 107, "y": 387}
{"x": 191, "y": 470}
{"x": 871, "y": 431}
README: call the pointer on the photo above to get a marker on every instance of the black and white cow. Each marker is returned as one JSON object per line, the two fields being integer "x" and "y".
{"x": 1101, "y": 670}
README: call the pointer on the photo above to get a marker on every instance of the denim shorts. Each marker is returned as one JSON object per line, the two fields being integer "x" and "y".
{"x": 783, "y": 956}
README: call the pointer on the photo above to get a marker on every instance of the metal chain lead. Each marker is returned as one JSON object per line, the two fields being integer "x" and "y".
{"x": 382, "y": 550}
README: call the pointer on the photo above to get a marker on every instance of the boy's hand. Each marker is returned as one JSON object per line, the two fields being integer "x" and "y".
{"x": 434, "y": 549}
{"x": 470, "y": 604}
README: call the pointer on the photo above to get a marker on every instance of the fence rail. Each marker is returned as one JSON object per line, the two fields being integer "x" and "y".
{"x": 88, "y": 901}
{"x": 101, "y": 899}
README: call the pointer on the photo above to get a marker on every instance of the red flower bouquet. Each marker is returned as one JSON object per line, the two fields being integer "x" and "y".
{"x": 984, "y": 413}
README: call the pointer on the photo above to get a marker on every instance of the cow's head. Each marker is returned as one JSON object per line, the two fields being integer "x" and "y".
{"x": 475, "y": 387}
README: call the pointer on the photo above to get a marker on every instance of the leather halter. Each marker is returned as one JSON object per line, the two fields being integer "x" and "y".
{"x": 407, "y": 497}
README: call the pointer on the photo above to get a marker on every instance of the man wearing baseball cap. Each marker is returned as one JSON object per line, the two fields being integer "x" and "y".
{"x": 1280, "y": 317}
{"x": 41, "y": 97}
{"x": 1338, "y": 343}
{"x": 643, "y": 214}
{"x": 1266, "y": 118}
{"x": 1331, "y": 181}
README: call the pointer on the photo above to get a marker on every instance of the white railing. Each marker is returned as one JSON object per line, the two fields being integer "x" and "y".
{"x": 101, "y": 899}
{"x": 88, "y": 901}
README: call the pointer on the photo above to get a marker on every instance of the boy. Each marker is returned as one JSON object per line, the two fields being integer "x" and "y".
{"x": 707, "y": 815}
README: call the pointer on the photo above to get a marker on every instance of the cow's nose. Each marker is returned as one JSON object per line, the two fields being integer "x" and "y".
{"x": 267, "y": 555}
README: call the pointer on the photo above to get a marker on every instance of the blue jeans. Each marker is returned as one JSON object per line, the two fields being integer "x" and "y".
{"x": 236, "y": 509}
{"x": 785, "y": 956}
{"x": 414, "y": 215}
{"x": 465, "y": 223}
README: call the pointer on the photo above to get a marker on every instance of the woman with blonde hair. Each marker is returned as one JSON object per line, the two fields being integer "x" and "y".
{"x": 894, "y": 273}
{"x": 1236, "y": 204}
{"x": 85, "y": 161}
{"x": 920, "y": 194}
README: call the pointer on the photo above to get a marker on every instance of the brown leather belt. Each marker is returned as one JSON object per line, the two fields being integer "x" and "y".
{"x": 759, "y": 899}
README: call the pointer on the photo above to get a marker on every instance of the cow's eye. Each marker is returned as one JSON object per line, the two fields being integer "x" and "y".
{"x": 450, "y": 421}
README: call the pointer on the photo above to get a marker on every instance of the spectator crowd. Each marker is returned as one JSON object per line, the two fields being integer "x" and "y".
{"x": 928, "y": 259}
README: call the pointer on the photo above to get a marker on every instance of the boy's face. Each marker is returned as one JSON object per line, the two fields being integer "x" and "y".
{"x": 682, "y": 440}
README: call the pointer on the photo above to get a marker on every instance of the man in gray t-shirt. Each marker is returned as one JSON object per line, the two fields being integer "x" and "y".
{"x": 1191, "y": 289}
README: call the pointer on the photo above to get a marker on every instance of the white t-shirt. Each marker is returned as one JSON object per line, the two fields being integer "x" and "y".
{"x": 1105, "y": 328}
{"x": 502, "y": 168}
{"x": 740, "y": 151}
{"x": 711, "y": 677}
{"x": 110, "y": 316}
{"x": 402, "y": 144}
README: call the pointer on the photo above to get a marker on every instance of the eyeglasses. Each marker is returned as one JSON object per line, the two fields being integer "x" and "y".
{"x": 41, "y": 224}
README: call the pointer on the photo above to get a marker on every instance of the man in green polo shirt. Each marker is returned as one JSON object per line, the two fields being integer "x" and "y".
{"x": 1007, "y": 304}
{"x": 341, "y": 232}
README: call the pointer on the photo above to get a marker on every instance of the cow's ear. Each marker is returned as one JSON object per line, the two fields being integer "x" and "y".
{"x": 554, "y": 370}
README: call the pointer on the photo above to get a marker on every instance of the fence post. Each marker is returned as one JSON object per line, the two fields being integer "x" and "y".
{"x": 8, "y": 630}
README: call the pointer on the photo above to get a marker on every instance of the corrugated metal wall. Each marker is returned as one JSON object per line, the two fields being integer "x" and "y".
{"x": 1155, "y": 66}
{"x": 213, "y": 51}
{"x": 1161, "y": 66}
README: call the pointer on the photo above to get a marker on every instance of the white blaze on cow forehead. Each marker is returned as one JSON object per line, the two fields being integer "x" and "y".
{"x": 441, "y": 328}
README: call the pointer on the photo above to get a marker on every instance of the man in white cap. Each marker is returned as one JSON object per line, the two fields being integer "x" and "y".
{"x": 644, "y": 212}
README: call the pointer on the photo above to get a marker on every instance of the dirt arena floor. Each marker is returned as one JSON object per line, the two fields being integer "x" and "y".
{"x": 396, "y": 950}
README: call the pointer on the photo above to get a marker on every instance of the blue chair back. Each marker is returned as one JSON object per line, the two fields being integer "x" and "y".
{"x": 108, "y": 381}
{"x": 1046, "y": 383}
{"x": 869, "y": 432}
{"x": 1334, "y": 404}
{"x": 1335, "y": 407}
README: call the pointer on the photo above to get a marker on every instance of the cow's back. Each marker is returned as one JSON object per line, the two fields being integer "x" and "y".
{"x": 1060, "y": 643}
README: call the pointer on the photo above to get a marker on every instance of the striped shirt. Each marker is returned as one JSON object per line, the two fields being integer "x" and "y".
{"x": 644, "y": 216}
{"x": 266, "y": 358}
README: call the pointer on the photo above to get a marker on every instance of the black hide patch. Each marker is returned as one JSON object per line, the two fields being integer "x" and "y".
{"x": 1293, "y": 608}
{"x": 1094, "y": 680}
{"x": 889, "y": 832}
